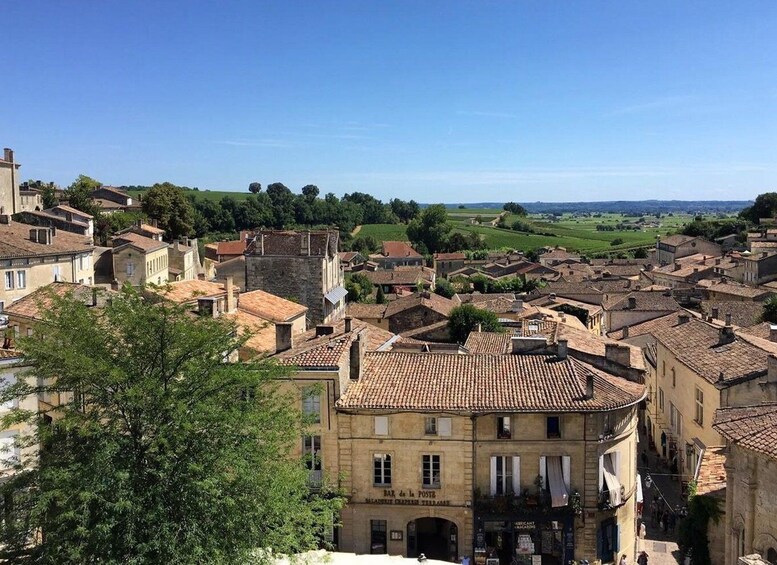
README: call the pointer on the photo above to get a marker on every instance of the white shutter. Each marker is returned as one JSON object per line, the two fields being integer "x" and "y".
{"x": 616, "y": 462}
{"x": 493, "y": 476}
{"x": 516, "y": 475}
{"x": 444, "y": 426}
{"x": 566, "y": 462}
{"x": 381, "y": 425}
{"x": 543, "y": 473}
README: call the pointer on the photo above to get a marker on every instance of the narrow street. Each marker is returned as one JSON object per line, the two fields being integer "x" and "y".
{"x": 660, "y": 546}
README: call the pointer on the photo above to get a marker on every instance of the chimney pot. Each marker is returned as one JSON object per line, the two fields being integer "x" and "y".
{"x": 715, "y": 312}
{"x": 683, "y": 318}
{"x": 632, "y": 302}
{"x": 562, "y": 348}
{"x": 625, "y": 332}
{"x": 728, "y": 318}
{"x": 348, "y": 324}
{"x": 589, "y": 386}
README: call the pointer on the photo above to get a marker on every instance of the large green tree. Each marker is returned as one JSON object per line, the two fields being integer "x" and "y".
{"x": 166, "y": 453}
{"x": 765, "y": 206}
{"x": 465, "y": 318}
{"x": 430, "y": 229}
{"x": 167, "y": 204}
{"x": 79, "y": 194}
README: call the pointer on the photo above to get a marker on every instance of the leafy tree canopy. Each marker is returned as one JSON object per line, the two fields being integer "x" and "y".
{"x": 359, "y": 287}
{"x": 165, "y": 454}
{"x": 255, "y": 187}
{"x": 168, "y": 204}
{"x": 465, "y": 318}
{"x": 79, "y": 194}
{"x": 514, "y": 208}
{"x": 430, "y": 229}
{"x": 765, "y": 206}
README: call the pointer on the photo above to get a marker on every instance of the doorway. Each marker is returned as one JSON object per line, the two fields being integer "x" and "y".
{"x": 436, "y": 538}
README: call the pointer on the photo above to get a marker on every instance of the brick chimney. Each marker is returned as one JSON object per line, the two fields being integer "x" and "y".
{"x": 358, "y": 347}
{"x": 625, "y": 332}
{"x": 683, "y": 318}
{"x": 348, "y": 324}
{"x": 562, "y": 348}
{"x": 589, "y": 386}
{"x": 284, "y": 339}
{"x": 632, "y": 302}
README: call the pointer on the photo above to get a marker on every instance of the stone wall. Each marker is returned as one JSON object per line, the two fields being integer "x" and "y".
{"x": 414, "y": 318}
{"x": 299, "y": 279}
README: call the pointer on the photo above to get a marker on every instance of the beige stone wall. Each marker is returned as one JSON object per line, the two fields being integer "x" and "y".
{"x": 41, "y": 271}
{"x": 751, "y": 500}
{"x": 9, "y": 187}
{"x": 148, "y": 267}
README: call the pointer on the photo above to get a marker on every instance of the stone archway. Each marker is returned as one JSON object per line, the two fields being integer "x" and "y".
{"x": 436, "y": 538}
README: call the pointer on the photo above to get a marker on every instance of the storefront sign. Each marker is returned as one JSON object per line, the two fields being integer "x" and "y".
{"x": 524, "y": 525}
{"x": 409, "y": 497}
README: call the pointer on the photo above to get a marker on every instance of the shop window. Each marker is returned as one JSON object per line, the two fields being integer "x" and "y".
{"x": 378, "y": 536}
{"x": 431, "y": 471}
{"x": 503, "y": 427}
{"x": 381, "y": 465}
{"x": 553, "y": 427}
{"x": 430, "y": 426}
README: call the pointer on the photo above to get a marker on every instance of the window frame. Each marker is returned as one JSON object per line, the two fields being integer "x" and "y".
{"x": 311, "y": 404}
{"x": 548, "y": 433}
{"x": 504, "y": 428}
{"x": 9, "y": 276}
{"x": 699, "y": 402}
{"x": 381, "y": 469}
{"x": 430, "y": 426}
{"x": 21, "y": 279}
{"x": 431, "y": 466}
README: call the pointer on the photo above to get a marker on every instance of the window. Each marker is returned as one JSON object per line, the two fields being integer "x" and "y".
{"x": 9, "y": 452}
{"x": 378, "y": 536}
{"x": 8, "y": 381}
{"x": 699, "y": 407}
{"x": 8, "y": 280}
{"x": 381, "y": 467}
{"x": 130, "y": 269}
{"x": 57, "y": 273}
{"x": 430, "y": 426}
{"x": 381, "y": 425}
{"x": 21, "y": 279}
{"x": 672, "y": 415}
{"x": 554, "y": 427}
{"x": 674, "y": 378}
{"x": 311, "y": 453}
{"x": 663, "y": 368}
{"x": 431, "y": 471}
{"x": 444, "y": 427}
{"x": 505, "y": 475}
{"x": 503, "y": 427}
{"x": 661, "y": 399}
{"x": 311, "y": 404}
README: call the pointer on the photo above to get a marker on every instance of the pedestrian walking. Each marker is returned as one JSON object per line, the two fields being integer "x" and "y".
{"x": 672, "y": 521}
{"x": 654, "y": 512}
{"x": 623, "y": 560}
{"x": 665, "y": 521}
{"x": 642, "y": 559}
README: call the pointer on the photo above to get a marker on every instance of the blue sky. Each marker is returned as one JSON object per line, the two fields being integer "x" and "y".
{"x": 455, "y": 101}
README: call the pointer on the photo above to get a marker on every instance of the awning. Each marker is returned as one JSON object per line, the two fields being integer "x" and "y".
{"x": 558, "y": 490}
{"x": 336, "y": 294}
{"x": 612, "y": 480}
{"x": 639, "y": 488}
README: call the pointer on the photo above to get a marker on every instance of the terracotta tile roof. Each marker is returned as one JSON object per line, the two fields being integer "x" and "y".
{"x": 366, "y": 311}
{"x": 108, "y": 204}
{"x": 697, "y": 344}
{"x": 405, "y": 276}
{"x": 183, "y": 292}
{"x": 478, "y": 383}
{"x": 399, "y": 249}
{"x": 712, "y": 473}
{"x": 115, "y": 190}
{"x": 34, "y": 305}
{"x": 643, "y": 302}
{"x": 429, "y": 300}
{"x": 151, "y": 229}
{"x": 740, "y": 290}
{"x": 744, "y": 314}
{"x": 477, "y": 297}
{"x": 349, "y": 256}
{"x": 138, "y": 241}
{"x": 489, "y": 342}
{"x": 675, "y": 240}
{"x": 294, "y": 243}
{"x": 269, "y": 306}
{"x": 651, "y": 326}
{"x": 586, "y": 342}
{"x": 327, "y": 352}
{"x": 751, "y": 427}
{"x": 6, "y": 354}
{"x": 761, "y": 330}
{"x": 456, "y": 256}
{"x": 15, "y": 242}
{"x": 72, "y": 210}
{"x": 231, "y": 247}
{"x": 262, "y": 332}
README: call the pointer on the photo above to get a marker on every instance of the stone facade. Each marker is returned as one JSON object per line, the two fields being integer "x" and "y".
{"x": 10, "y": 199}
{"x": 303, "y": 267}
{"x": 139, "y": 267}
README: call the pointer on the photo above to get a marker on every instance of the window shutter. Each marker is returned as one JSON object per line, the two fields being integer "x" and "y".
{"x": 616, "y": 462}
{"x": 566, "y": 463}
{"x": 616, "y": 538}
{"x": 444, "y": 426}
{"x": 381, "y": 425}
{"x": 493, "y": 476}
{"x": 601, "y": 472}
{"x": 600, "y": 542}
{"x": 516, "y": 474}
{"x": 542, "y": 473}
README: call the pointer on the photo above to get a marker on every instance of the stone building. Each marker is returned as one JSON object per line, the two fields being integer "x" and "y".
{"x": 397, "y": 254}
{"x": 301, "y": 266}
{"x": 674, "y": 247}
{"x": 751, "y": 480}
{"x": 10, "y": 199}
{"x": 139, "y": 260}
{"x": 183, "y": 259}
{"x": 516, "y": 449}
{"x": 32, "y": 257}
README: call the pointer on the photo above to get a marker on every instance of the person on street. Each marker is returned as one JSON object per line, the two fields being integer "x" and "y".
{"x": 623, "y": 560}
{"x": 642, "y": 559}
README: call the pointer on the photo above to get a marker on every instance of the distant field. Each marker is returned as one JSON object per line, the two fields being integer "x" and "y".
{"x": 205, "y": 194}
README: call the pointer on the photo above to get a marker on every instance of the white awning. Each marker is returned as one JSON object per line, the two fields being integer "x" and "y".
{"x": 336, "y": 294}
{"x": 639, "y": 488}
{"x": 558, "y": 490}
{"x": 612, "y": 480}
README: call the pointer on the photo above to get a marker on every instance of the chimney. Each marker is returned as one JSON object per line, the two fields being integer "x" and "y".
{"x": 324, "y": 329}
{"x": 230, "y": 288}
{"x": 517, "y": 305}
{"x": 676, "y": 266}
{"x": 632, "y": 302}
{"x": 357, "y": 357}
{"x": 5, "y": 218}
{"x": 348, "y": 324}
{"x": 717, "y": 261}
{"x": 618, "y": 354}
{"x": 625, "y": 331}
{"x": 479, "y": 327}
{"x": 683, "y": 318}
{"x": 771, "y": 369}
{"x": 283, "y": 336}
{"x": 726, "y": 334}
{"x": 715, "y": 312}
{"x": 728, "y": 318}
{"x": 772, "y": 332}
{"x": 589, "y": 386}
{"x": 8, "y": 154}
{"x": 562, "y": 348}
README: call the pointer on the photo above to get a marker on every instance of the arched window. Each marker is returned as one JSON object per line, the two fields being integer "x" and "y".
{"x": 771, "y": 556}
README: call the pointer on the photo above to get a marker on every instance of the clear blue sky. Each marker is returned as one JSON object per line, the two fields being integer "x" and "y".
{"x": 433, "y": 100}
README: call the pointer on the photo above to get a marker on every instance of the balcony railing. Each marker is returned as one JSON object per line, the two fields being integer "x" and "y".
{"x": 516, "y": 503}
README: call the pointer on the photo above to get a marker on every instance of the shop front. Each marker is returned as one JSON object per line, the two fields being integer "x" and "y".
{"x": 525, "y": 539}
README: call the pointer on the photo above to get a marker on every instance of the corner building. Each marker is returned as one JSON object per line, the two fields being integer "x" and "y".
{"x": 527, "y": 456}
